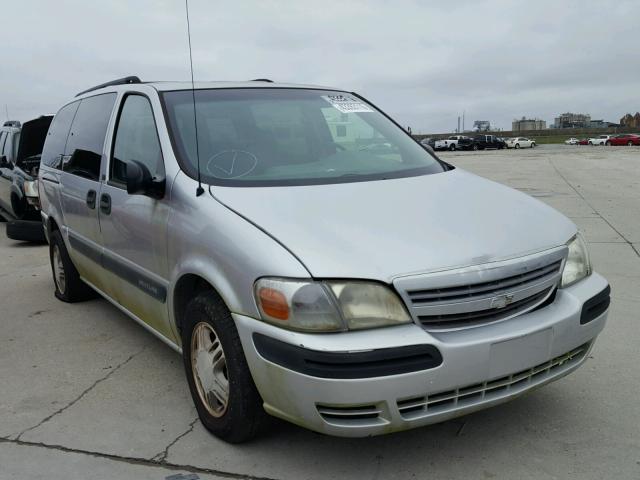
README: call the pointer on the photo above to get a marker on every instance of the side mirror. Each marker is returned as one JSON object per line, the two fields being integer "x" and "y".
{"x": 141, "y": 182}
{"x": 4, "y": 163}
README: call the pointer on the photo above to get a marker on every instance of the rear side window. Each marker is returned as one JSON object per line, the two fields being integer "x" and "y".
{"x": 57, "y": 136}
{"x": 136, "y": 139}
{"x": 86, "y": 140}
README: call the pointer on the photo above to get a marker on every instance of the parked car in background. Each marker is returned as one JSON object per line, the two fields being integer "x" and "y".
{"x": 20, "y": 149}
{"x": 278, "y": 298}
{"x": 572, "y": 141}
{"x": 481, "y": 142}
{"x": 450, "y": 143}
{"x": 628, "y": 139}
{"x": 583, "y": 141}
{"x": 520, "y": 142}
{"x": 428, "y": 142}
{"x": 599, "y": 140}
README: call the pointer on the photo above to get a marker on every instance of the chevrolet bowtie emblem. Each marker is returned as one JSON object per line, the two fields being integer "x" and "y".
{"x": 502, "y": 300}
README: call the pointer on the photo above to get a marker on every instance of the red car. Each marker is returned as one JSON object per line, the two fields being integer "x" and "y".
{"x": 629, "y": 139}
{"x": 583, "y": 141}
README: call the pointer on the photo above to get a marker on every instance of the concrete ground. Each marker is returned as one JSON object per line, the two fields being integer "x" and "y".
{"x": 86, "y": 393}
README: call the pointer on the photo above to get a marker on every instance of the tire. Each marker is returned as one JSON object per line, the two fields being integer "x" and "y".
{"x": 517, "y": 145}
{"x": 207, "y": 319}
{"x": 452, "y": 147}
{"x": 475, "y": 147}
{"x": 69, "y": 288}
{"x": 630, "y": 144}
{"x": 608, "y": 143}
{"x": 591, "y": 143}
{"x": 533, "y": 144}
{"x": 27, "y": 231}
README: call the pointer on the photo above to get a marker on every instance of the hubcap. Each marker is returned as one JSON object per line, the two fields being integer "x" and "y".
{"x": 209, "y": 368}
{"x": 58, "y": 270}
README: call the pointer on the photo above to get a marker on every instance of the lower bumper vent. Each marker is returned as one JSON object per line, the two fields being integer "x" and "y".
{"x": 481, "y": 392}
{"x": 360, "y": 415}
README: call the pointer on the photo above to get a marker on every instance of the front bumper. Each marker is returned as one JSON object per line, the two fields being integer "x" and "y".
{"x": 480, "y": 367}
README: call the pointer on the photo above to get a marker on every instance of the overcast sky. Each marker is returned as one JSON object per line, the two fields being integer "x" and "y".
{"x": 422, "y": 62}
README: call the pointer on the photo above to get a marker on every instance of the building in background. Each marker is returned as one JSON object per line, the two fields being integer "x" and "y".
{"x": 528, "y": 124}
{"x": 630, "y": 121}
{"x": 481, "y": 126}
{"x": 602, "y": 124}
{"x": 572, "y": 120}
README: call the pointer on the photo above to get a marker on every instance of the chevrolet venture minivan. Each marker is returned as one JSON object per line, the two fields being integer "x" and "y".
{"x": 309, "y": 258}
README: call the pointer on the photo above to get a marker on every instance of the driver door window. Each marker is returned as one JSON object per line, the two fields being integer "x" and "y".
{"x": 136, "y": 138}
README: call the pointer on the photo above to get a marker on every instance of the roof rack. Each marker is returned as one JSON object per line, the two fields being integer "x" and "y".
{"x": 262, "y": 80}
{"x": 11, "y": 123}
{"x": 119, "y": 81}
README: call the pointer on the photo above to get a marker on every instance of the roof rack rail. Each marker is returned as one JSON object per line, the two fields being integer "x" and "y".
{"x": 262, "y": 80}
{"x": 119, "y": 81}
{"x": 11, "y": 123}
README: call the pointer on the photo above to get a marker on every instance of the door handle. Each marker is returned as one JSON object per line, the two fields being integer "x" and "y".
{"x": 91, "y": 199}
{"x": 105, "y": 203}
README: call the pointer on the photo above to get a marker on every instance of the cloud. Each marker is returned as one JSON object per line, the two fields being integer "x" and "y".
{"x": 422, "y": 62}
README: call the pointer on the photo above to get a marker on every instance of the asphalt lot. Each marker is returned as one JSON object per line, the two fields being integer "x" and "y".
{"x": 86, "y": 393}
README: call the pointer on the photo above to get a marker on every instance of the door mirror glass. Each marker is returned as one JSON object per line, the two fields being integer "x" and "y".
{"x": 4, "y": 163}
{"x": 140, "y": 181}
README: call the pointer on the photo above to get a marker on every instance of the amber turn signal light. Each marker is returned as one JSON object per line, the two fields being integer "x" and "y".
{"x": 274, "y": 303}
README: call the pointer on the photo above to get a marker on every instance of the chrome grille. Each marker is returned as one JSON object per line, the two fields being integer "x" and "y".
{"x": 468, "y": 395}
{"x": 421, "y": 297}
{"x": 478, "y": 295}
{"x": 478, "y": 316}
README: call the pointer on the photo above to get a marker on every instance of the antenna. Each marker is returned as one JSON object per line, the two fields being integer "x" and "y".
{"x": 199, "y": 190}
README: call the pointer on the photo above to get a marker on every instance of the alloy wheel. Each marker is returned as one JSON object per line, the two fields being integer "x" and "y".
{"x": 209, "y": 369}
{"x": 58, "y": 270}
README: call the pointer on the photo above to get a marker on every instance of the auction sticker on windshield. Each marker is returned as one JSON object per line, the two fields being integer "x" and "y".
{"x": 347, "y": 104}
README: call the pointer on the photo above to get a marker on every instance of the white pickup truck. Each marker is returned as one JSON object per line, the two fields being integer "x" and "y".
{"x": 450, "y": 143}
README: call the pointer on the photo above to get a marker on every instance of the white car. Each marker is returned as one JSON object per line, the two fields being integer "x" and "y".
{"x": 599, "y": 140}
{"x": 520, "y": 142}
{"x": 450, "y": 143}
{"x": 572, "y": 141}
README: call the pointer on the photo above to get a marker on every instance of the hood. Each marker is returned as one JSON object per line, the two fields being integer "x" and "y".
{"x": 384, "y": 229}
{"x": 32, "y": 137}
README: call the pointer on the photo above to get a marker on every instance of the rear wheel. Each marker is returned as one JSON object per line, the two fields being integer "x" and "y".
{"x": 517, "y": 145}
{"x": 69, "y": 287}
{"x": 452, "y": 147}
{"x": 533, "y": 144}
{"x": 475, "y": 147}
{"x": 630, "y": 144}
{"x": 227, "y": 401}
{"x": 608, "y": 143}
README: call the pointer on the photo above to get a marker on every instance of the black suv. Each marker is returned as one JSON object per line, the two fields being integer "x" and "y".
{"x": 20, "y": 149}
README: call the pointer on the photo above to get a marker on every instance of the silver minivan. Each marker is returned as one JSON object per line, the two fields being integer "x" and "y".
{"x": 309, "y": 258}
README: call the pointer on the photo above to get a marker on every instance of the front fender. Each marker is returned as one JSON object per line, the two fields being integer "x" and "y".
{"x": 207, "y": 239}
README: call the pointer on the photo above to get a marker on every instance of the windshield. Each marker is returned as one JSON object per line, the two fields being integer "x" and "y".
{"x": 265, "y": 137}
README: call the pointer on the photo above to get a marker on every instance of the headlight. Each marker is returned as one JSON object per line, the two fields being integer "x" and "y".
{"x": 31, "y": 188}
{"x": 578, "y": 265}
{"x": 331, "y": 306}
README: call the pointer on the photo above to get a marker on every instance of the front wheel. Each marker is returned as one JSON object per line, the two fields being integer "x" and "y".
{"x": 452, "y": 147}
{"x": 608, "y": 143}
{"x": 517, "y": 145}
{"x": 69, "y": 286}
{"x": 533, "y": 144}
{"x": 630, "y": 144}
{"x": 227, "y": 401}
{"x": 475, "y": 147}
